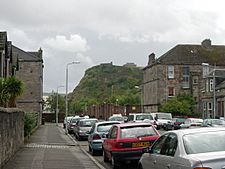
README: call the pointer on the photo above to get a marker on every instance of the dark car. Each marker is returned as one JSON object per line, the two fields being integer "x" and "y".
{"x": 177, "y": 122}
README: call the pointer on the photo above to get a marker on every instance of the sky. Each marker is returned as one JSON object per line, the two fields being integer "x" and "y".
{"x": 103, "y": 31}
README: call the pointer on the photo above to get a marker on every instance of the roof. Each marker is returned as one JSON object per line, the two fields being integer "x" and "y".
{"x": 26, "y": 56}
{"x": 132, "y": 124}
{"x": 189, "y": 54}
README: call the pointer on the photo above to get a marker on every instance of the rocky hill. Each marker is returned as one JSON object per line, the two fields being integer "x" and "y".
{"x": 104, "y": 82}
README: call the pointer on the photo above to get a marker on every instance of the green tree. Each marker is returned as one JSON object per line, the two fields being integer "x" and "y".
{"x": 179, "y": 106}
{"x": 14, "y": 88}
{"x": 51, "y": 103}
{"x": 10, "y": 88}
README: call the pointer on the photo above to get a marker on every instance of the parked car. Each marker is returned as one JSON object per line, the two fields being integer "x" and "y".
{"x": 116, "y": 117}
{"x": 140, "y": 117}
{"x": 213, "y": 123}
{"x": 83, "y": 127}
{"x": 125, "y": 142}
{"x": 177, "y": 122}
{"x": 192, "y": 122}
{"x": 72, "y": 124}
{"x": 198, "y": 148}
{"x": 162, "y": 119}
{"x": 97, "y": 135}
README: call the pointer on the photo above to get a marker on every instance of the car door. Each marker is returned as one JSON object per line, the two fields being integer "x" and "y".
{"x": 151, "y": 159}
{"x": 167, "y": 156}
{"x": 110, "y": 141}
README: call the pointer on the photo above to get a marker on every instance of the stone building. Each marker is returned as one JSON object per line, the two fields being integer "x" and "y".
{"x": 27, "y": 67}
{"x": 182, "y": 70}
{"x": 31, "y": 74}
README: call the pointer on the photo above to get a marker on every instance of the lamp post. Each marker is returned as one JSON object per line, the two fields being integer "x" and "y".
{"x": 141, "y": 90}
{"x": 57, "y": 105}
{"x": 71, "y": 63}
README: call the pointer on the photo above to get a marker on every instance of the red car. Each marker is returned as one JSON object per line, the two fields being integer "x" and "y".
{"x": 126, "y": 141}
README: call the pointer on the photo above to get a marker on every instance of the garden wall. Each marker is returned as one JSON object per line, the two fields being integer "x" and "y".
{"x": 11, "y": 133}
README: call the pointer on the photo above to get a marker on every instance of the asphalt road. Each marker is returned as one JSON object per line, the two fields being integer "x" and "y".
{"x": 99, "y": 158}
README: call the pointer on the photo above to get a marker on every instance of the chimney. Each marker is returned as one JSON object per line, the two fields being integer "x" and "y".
{"x": 206, "y": 43}
{"x": 151, "y": 59}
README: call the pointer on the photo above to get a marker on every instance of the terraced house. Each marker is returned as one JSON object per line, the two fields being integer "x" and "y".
{"x": 27, "y": 67}
{"x": 187, "y": 68}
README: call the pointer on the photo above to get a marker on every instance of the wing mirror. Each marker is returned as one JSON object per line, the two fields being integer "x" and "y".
{"x": 147, "y": 150}
{"x": 105, "y": 135}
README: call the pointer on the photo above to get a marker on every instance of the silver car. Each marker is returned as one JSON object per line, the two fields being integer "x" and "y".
{"x": 198, "y": 148}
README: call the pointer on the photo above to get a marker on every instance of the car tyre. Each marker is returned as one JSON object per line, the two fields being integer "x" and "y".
{"x": 93, "y": 152}
{"x": 115, "y": 163}
{"x": 140, "y": 166}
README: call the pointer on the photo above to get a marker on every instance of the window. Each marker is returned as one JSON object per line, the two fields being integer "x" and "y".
{"x": 171, "y": 92}
{"x": 170, "y": 72}
{"x": 170, "y": 145}
{"x": 195, "y": 80}
{"x": 211, "y": 85}
{"x": 113, "y": 132}
{"x": 210, "y": 110}
{"x": 157, "y": 147}
{"x": 205, "y": 71}
{"x": 186, "y": 77}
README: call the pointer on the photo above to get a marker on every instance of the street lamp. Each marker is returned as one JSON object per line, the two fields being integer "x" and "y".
{"x": 71, "y": 63}
{"x": 141, "y": 89}
{"x": 57, "y": 105}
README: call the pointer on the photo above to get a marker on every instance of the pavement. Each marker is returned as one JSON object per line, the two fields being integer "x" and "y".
{"x": 50, "y": 148}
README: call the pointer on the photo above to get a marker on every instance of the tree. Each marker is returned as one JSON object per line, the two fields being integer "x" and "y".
{"x": 51, "y": 102}
{"x": 179, "y": 106}
{"x": 10, "y": 88}
{"x": 14, "y": 88}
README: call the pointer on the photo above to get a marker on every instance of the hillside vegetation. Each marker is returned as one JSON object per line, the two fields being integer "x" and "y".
{"x": 110, "y": 84}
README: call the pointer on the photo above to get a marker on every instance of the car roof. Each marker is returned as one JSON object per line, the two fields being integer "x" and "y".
{"x": 139, "y": 114}
{"x": 132, "y": 124}
{"x": 196, "y": 130}
{"x": 85, "y": 119}
{"x": 107, "y": 122}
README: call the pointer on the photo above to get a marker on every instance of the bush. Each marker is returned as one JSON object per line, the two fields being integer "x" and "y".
{"x": 30, "y": 122}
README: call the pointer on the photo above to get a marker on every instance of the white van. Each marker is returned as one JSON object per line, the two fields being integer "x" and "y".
{"x": 162, "y": 119}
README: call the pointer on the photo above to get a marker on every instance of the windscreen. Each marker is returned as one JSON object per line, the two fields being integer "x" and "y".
{"x": 137, "y": 131}
{"x": 87, "y": 123}
{"x": 144, "y": 116}
{"x": 104, "y": 127}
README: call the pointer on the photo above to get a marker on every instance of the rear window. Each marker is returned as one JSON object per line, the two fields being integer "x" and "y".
{"x": 104, "y": 127}
{"x": 87, "y": 123}
{"x": 144, "y": 116}
{"x": 137, "y": 131}
{"x": 204, "y": 142}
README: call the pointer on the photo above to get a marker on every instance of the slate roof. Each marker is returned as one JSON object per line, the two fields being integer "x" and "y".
{"x": 194, "y": 54}
{"x": 189, "y": 54}
{"x": 26, "y": 56}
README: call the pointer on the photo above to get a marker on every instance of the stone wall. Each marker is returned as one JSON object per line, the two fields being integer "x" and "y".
{"x": 11, "y": 133}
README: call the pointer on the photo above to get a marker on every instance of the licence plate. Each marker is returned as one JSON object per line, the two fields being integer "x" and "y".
{"x": 140, "y": 144}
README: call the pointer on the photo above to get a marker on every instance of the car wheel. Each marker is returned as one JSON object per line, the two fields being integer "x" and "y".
{"x": 93, "y": 152}
{"x": 140, "y": 166}
{"x": 115, "y": 163}
{"x": 105, "y": 158}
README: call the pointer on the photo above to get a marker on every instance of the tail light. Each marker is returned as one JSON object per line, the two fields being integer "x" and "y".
{"x": 119, "y": 145}
{"x": 96, "y": 137}
{"x": 202, "y": 168}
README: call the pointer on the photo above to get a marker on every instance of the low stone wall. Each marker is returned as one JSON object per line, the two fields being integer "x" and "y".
{"x": 11, "y": 133}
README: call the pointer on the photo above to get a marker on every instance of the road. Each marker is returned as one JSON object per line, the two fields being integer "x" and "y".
{"x": 99, "y": 158}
